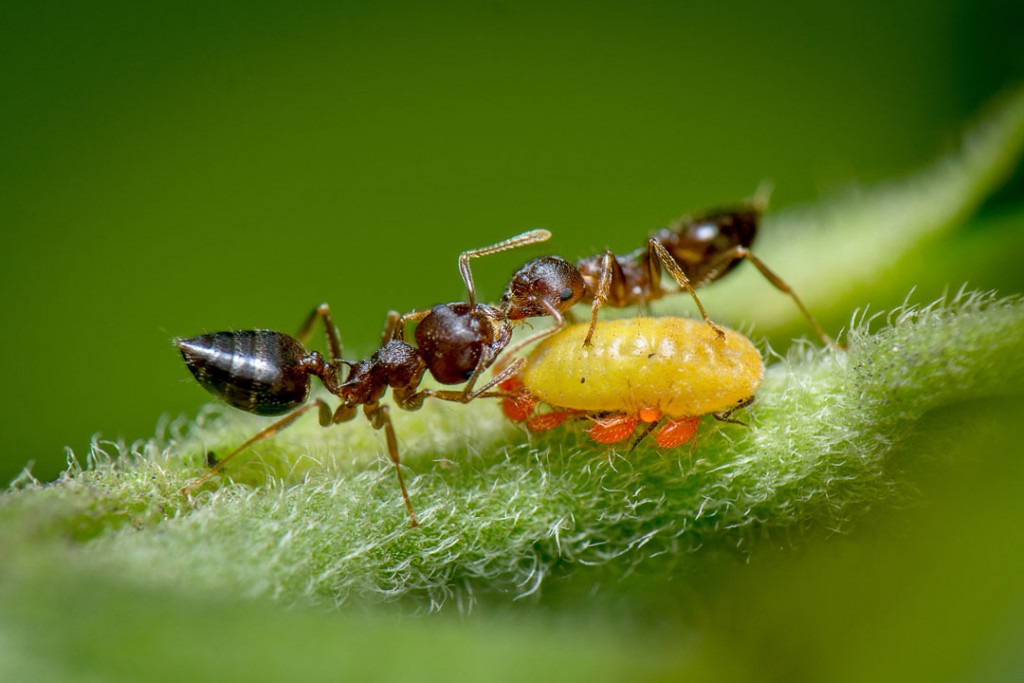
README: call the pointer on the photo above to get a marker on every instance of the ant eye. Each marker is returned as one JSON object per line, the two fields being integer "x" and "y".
{"x": 565, "y": 294}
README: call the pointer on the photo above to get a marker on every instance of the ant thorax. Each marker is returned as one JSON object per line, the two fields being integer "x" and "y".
{"x": 396, "y": 364}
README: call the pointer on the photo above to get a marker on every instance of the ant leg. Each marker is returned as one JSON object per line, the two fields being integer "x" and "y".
{"x": 322, "y": 311}
{"x": 726, "y": 416}
{"x": 529, "y": 237}
{"x": 326, "y": 420}
{"x": 656, "y": 248}
{"x": 415, "y": 401}
{"x": 739, "y": 252}
{"x": 487, "y": 356}
{"x": 507, "y": 372}
{"x": 643, "y": 435}
{"x": 394, "y": 328}
{"x": 537, "y": 336}
{"x": 344, "y": 413}
{"x": 391, "y": 328}
{"x": 604, "y": 285}
{"x": 379, "y": 417}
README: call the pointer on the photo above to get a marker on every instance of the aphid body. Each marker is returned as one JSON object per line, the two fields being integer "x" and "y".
{"x": 638, "y": 370}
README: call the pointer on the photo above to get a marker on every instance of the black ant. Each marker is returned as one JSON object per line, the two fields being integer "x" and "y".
{"x": 268, "y": 372}
{"x": 695, "y": 250}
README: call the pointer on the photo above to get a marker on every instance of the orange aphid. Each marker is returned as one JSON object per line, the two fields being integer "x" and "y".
{"x": 546, "y": 421}
{"x": 677, "y": 432}
{"x": 613, "y": 429}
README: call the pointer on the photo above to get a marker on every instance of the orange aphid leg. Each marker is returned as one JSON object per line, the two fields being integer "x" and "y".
{"x": 613, "y": 429}
{"x": 511, "y": 384}
{"x": 518, "y": 404}
{"x": 518, "y": 407}
{"x": 546, "y": 421}
{"x": 677, "y": 432}
{"x": 649, "y": 414}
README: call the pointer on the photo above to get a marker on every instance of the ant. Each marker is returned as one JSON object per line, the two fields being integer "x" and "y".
{"x": 266, "y": 372}
{"x": 695, "y": 250}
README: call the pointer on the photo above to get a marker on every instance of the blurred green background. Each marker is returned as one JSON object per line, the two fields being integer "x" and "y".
{"x": 173, "y": 168}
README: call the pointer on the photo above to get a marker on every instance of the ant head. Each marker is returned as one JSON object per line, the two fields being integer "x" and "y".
{"x": 547, "y": 280}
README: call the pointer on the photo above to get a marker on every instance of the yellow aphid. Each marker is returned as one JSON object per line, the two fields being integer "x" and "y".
{"x": 677, "y": 365}
{"x": 638, "y": 370}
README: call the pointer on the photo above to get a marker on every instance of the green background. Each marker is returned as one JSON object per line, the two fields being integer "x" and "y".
{"x": 173, "y": 168}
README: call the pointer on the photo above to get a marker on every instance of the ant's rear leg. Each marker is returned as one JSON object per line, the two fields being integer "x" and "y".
{"x": 380, "y": 417}
{"x": 741, "y": 252}
{"x": 326, "y": 420}
{"x": 655, "y": 249}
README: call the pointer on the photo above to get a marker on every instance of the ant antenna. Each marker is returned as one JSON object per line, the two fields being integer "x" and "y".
{"x": 529, "y": 237}
{"x": 762, "y": 195}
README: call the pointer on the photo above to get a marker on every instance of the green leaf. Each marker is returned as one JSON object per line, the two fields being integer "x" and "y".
{"x": 508, "y": 519}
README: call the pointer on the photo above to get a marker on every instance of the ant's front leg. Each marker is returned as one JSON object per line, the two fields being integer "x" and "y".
{"x": 415, "y": 401}
{"x": 611, "y": 285}
{"x": 656, "y": 250}
{"x": 559, "y": 325}
{"x": 604, "y": 286}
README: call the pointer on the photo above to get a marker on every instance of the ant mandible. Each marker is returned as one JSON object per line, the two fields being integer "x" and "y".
{"x": 266, "y": 372}
{"x": 695, "y": 250}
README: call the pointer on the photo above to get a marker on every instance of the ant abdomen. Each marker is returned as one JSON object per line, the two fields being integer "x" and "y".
{"x": 259, "y": 371}
{"x": 695, "y": 242}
